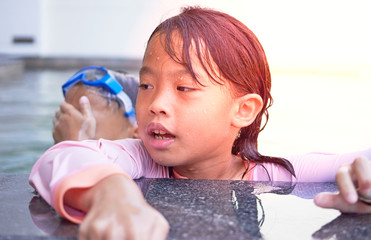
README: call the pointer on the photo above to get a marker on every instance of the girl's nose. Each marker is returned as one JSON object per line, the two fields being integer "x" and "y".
{"x": 160, "y": 104}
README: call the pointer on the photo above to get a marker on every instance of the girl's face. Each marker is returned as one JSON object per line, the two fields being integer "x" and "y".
{"x": 180, "y": 122}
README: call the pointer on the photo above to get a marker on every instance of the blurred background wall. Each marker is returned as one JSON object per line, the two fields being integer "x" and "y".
{"x": 291, "y": 31}
{"x": 83, "y": 28}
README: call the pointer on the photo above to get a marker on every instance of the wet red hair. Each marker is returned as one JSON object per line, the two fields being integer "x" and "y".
{"x": 223, "y": 40}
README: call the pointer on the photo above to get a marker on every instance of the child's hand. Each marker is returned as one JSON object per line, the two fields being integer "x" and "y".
{"x": 350, "y": 179}
{"x": 71, "y": 124}
{"x": 118, "y": 211}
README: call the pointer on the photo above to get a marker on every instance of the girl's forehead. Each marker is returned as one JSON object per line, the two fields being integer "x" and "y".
{"x": 156, "y": 45}
{"x": 199, "y": 64}
{"x": 173, "y": 44}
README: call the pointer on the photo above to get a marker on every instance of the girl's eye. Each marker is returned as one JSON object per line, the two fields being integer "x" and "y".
{"x": 145, "y": 86}
{"x": 184, "y": 89}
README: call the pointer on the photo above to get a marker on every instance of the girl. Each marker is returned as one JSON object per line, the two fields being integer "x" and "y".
{"x": 204, "y": 90}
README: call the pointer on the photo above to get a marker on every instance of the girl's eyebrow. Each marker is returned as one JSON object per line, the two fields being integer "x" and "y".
{"x": 144, "y": 70}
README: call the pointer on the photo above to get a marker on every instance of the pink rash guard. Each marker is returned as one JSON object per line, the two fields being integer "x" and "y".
{"x": 72, "y": 164}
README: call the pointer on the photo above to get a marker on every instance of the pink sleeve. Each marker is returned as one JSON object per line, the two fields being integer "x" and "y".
{"x": 83, "y": 164}
{"x": 311, "y": 167}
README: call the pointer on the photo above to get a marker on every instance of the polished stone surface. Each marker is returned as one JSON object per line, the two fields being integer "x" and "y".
{"x": 198, "y": 209}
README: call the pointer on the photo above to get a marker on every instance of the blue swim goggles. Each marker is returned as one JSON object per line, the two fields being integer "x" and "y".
{"x": 97, "y": 76}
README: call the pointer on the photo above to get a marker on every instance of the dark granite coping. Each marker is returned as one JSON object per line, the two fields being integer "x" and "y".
{"x": 198, "y": 209}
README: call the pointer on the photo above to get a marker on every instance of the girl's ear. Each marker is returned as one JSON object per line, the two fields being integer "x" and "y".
{"x": 247, "y": 108}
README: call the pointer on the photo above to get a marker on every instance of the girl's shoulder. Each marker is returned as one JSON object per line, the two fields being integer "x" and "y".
{"x": 134, "y": 146}
{"x": 144, "y": 164}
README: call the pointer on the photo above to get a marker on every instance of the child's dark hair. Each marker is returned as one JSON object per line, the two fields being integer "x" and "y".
{"x": 223, "y": 40}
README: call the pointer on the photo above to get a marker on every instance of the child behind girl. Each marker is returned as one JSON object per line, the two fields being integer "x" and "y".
{"x": 204, "y": 90}
{"x": 93, "y": 112}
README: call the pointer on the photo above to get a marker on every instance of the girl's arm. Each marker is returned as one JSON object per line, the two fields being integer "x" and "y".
{"x": 350, "y": 179}
{"x": 310, "y": 167}
{"x": 318, "y": 167}
{"x": 351, "y": 171}
{"x": 82, "y": 165}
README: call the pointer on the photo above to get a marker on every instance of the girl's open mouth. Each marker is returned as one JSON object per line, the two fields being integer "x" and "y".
{"x": 162, "y": 135}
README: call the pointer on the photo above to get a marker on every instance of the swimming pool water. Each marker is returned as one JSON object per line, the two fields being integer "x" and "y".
{"x": 27, "y": 105}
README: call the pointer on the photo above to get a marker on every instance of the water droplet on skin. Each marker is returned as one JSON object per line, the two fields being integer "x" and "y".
{"x": 179, "y": 79}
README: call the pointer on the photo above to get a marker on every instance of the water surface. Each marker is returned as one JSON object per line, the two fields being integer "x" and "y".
{"x": 27, "y": 105}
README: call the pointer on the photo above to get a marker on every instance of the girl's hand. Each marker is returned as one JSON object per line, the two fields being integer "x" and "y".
{"x": 118, "y": 210}
{"x": 350, "y": 179}
{"x": 71, "y": 124}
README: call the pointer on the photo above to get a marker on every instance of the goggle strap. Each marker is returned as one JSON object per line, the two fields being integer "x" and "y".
{"x": 132, "y": 118}
{"x": 124, "y": 98}
{"x": 129, "y": 114}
